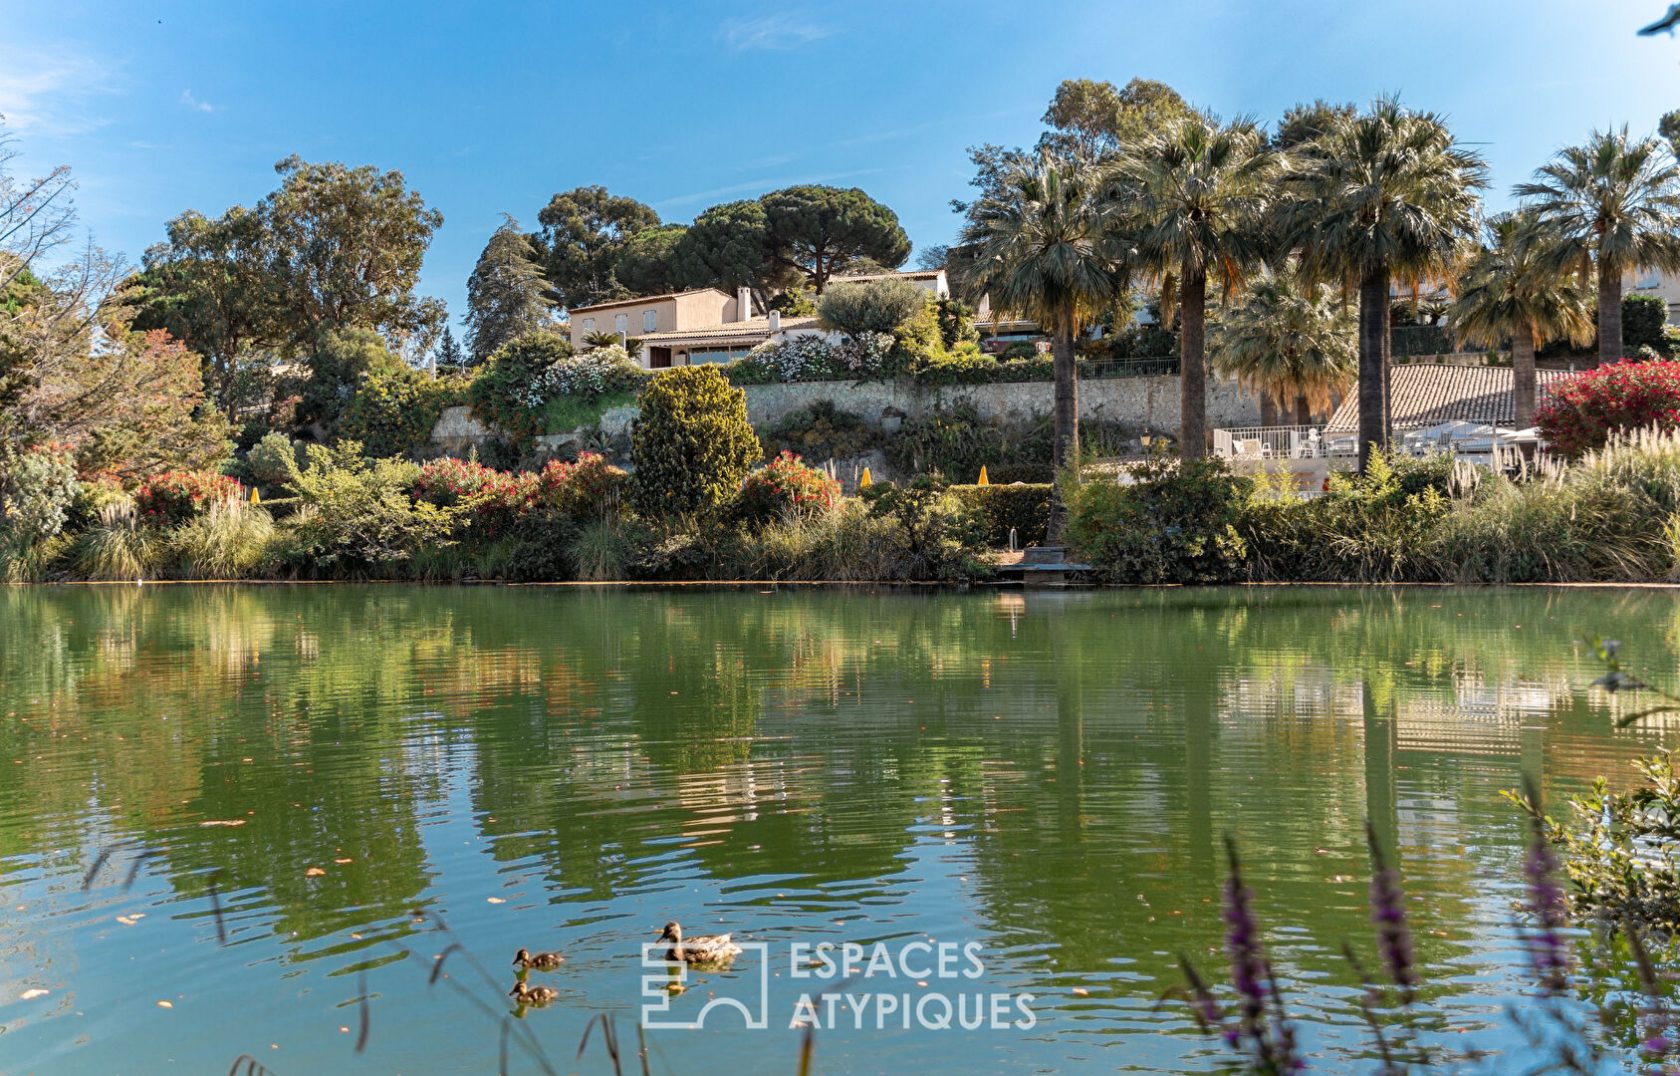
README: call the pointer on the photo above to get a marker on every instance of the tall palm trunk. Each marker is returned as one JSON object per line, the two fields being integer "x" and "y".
{"x": 1066, "y": 409}
{"x": 1303, "y": 410}
{"x": 1064, "y": 449}
{"x": 1192, "y": 364}
{"x": 1373, "y": 363}
{"x": 1609, "y": 312}
{"x": 1522, "y": 374}
{"x": 1268, "y": 409}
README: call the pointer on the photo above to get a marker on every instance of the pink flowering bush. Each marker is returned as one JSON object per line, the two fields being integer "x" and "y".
{"x": 1581, "y": 412}
{"x": 496, "y": 502}
{"x": 173, "y": 497}
{"x": 785, "y": 485}
{"x": 591, "y": 488}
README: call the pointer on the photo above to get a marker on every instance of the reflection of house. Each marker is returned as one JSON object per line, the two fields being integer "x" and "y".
{"x": 1665, "y": 286}
{"x": 708, "y": 325}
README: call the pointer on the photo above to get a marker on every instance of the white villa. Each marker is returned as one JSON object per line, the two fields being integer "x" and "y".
{"x": 704, "y": 325}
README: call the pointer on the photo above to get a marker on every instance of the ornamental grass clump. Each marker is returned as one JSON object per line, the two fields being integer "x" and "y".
{"x": 233, "y": 539}
{"x": 115, "y": 548}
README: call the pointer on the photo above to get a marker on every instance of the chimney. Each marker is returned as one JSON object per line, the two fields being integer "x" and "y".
{"x": 743, "y": 304}
{"x": 775, "y": 321}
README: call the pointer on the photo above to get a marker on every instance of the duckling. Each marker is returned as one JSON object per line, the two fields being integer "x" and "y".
{"x": 705, "y": 949}
{"x": 527, "y": 994}
{"x": 540, "y": 961}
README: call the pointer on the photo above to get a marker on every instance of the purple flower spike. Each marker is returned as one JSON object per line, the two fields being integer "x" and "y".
{"x": 1388, "y": 912}
{"x": 1546, "y": 952}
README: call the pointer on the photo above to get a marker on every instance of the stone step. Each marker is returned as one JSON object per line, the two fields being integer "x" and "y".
{"x": 1044, "y": 554}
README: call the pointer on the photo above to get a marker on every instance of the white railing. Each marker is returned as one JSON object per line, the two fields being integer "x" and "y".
{"x": 1270, "y": 443}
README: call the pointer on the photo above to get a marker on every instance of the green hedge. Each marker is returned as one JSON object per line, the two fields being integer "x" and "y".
{"x": 1021, "y": 506}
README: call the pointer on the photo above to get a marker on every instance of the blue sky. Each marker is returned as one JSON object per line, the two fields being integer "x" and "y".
{"x": 491, "y": 107}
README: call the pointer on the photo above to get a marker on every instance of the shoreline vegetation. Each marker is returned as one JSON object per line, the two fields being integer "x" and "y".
{"x": 1610, "y": 518}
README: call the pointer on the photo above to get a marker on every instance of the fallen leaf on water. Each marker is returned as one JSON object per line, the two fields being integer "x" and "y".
{"x": 343, "y": 861}
{"x": 495, "y": 900}
{"x": 37, "y": 992}
{"x": 166, "y": 1004}
{"x": 221, "y": 822}
{"x": 127, "y": 920}
{"x": 344, "y": 1029}
{"x": 313, "y": 872}
{"x": 1081, "y": 992}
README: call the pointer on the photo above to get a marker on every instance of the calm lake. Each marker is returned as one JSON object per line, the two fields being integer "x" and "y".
{"x": 1049, "y": 776}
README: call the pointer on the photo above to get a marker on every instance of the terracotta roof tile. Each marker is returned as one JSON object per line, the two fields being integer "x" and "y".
{"x": 1425, "y": 394}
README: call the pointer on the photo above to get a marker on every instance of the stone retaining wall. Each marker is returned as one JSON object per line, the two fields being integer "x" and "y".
{"x": 1142, "y": 404}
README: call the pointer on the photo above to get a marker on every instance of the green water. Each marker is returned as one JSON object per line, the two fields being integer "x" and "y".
{"x": 1048, "y": 776}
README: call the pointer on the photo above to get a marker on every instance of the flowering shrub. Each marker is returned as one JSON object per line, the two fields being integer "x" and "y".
{"x": 506, "y": 390}
{"x": 1581, "y": 412}
{"x": 588, "y": 489}
{"x": 173, "y": 497}
{"x": 602, "y": 372}
{"x": 866, "y": 353}
{"x": 785, "y": 485}
{"x": 494, "y": 500}
{"x": 803, "y": 358}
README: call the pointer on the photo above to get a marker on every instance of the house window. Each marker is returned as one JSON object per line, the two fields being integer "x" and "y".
{"x": 588, "y": 325}
{"x": 621, "y": 324}
{"x": 650, "y": 320}
{"x": 1647, "y": 279}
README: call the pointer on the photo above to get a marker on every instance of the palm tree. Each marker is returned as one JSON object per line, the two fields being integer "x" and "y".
{"x": 1291, "y": 340}
{"x": 1385, "y": 195}
{"x": 1192, "y": 197}
{"x": 1615, "y": 202}
{"x": 1038, "y": 245}
{"x": 1513, "y": 290}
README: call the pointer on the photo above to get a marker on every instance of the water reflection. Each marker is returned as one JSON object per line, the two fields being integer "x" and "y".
{"x": 1053, "y": 773}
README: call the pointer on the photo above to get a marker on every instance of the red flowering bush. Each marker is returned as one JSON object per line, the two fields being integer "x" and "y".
{"x": 784, "y": 485}
{"x": 1581, "y": 412}
{"x": 173, "y": 497}
{"x": 448, "y": 482}
{"x": 495, "y": 501}
{"x": 587, "y": 489}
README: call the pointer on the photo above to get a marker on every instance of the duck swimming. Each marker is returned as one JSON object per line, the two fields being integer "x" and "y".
{"x": 532, "y": 995}
{"x": 540, "y": 961}
{"x": 704, "y": 949}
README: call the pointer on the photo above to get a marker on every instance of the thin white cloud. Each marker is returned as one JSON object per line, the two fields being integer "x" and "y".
{"x": 718, "y": 193}
{"x": 194, "y": 103}
{"x": 786, "y": 30}
{"x": 44, "y": 90}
